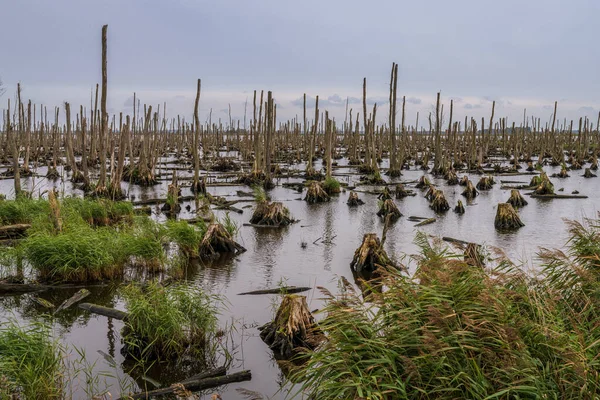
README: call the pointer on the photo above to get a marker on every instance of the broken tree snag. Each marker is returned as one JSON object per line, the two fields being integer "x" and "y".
{"x": 588, "y": 173}
{"x": 470, "y": 192}
{"x": 451, "y": 177}
{"x": 507, "y": 217}
{"x": 172, "y": 205}
{"x": 464, "y": 181}
{"x": 439, "y": 202}
{"x": 293, "y": 328}
{"x": 545, "y": 187}
{"x": 199, "y": 188}
{"x": 423, "y": 183}
{"x": 516, "y": 200}
{"x": 77, "y": 297}
{"x": 389, "y": 207}
{"x": 385, "y": 195}
{"x": 316, "y": 194}
{"x": 353, "y": 200}
{"x": 485, "y": 183}
{"x": 473, "y": 256}
{"x": 370, "y": 256}
{"x": 273, "y": 214}
{"x": 530, "y": 167}
{"x": 218, "y": 241}
{"x": 459, "y": 209}
{"x": 14, "y": 231}
{"x": 594, "y": 166}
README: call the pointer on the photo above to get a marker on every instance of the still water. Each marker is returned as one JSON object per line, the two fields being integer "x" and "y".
{"x": 332, "y": 232}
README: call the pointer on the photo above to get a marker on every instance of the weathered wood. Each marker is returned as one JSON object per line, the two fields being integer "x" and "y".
{"x": 457, "y": 241}
{"x": 281, "y": 290}
{"x": 557, "y": 196}
{"x": 196, "y": 385}
{"x": 104, "y": 311}
{"x": 77, "y": 297}
{"x": 426, "y": 222}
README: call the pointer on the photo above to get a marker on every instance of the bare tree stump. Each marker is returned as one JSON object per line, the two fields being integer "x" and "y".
{"x": 459, "y": 209}
{"x": 516, "y": 200}
{"x": 370, "y": 255}
{"x": 273, "y": 214}
{"x": 389, "y": 207}
{"x": 316, "y": 194}
{"x": 588, "y": 173}
{"x": 507, "y": 217}
{"x": 218, "y": 241}
{"x": 293, "y": 328}
{"x": 485, "y": 183}
{"x": 423, "y": 183}
{"x": 353, "y": 200}
{"x": 439, "y": 202}
{"x": 470, "y": 192}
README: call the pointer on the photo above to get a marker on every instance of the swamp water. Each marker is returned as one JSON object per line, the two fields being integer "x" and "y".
{"x": 332, "y": 232}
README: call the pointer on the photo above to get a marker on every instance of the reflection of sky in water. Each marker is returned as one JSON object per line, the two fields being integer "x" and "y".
{"x": 276, "y": 255}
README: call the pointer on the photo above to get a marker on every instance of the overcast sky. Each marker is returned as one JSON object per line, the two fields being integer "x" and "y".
{"x": 521, "y": 53}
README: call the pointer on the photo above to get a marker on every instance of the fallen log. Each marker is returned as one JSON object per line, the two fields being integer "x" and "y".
{"x": 104, "y": 311}
{"x": 281, "y": 290}
{"x": 557, "y": 196}
{"x": 204, "y": 381}
{"x": 263, "y": 226}
{"x": 426, "y": 222}
{"x": 13, "y": 231}
{"x": 77, "y": 297}
{"x": 457, "y": 241}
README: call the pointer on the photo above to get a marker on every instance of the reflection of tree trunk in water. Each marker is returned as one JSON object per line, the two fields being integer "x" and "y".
{"x": 328, "y": 237}
{"x": 110, "y": 335}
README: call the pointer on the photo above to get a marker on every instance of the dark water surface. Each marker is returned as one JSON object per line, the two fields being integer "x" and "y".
{"x": 276, "y": 256}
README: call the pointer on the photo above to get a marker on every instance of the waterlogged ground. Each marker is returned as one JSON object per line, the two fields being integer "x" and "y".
{"x": 276, "y": 256}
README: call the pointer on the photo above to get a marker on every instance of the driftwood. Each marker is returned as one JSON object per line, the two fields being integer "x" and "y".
{"x": 195, "y": 384}
{"x": 281, "y": 290}
{"x": 104, "y": 311}
{"x": 457, "y": 241}
{"x": 77, "y": 297}
{"x": 20, "y": 288}
{"x": 426, "y": 222}
{"x": 557, "y": 196}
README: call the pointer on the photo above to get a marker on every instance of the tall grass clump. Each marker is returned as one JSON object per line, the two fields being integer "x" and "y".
{"x": 100, "y": 212}
{"x": 187, "y": 236}
{"x": 78, "y": 254}
{"x": 230, "y": 225}
{"x": 458, "y": 331}
{"x": 31, "y": 365}
{"x": 167, "y": 322}
{"x": 331, "y": 185}
{"x": 23, "y": 210}
{"x": 144, "y": 244}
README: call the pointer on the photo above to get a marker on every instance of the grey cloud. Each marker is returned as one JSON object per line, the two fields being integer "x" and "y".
{"x": 128, "y": 102}
{"x": 548, "y": 108}
{"x": 414, "y": 100}
{"x": 586, "y": 109}
{"x": 470, "y": 106}
{"x": 336, "y": 101}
